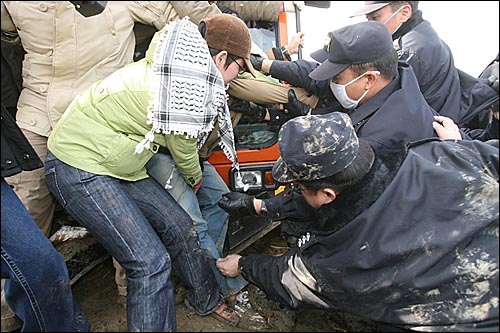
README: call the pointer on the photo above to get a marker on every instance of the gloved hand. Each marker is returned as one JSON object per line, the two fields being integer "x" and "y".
{"x": 237, "y": 204}
{"x": 256, "y": 112}
{"x": 278, "y": 117}
{"x": 296, "y": 107}
{"x": 256, "y": 61}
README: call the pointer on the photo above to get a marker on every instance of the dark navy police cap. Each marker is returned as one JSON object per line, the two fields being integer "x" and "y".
{"x": 355, "y": 44}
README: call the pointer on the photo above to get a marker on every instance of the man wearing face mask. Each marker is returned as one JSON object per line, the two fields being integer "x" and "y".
{"x": 445, "y": 88}
{"x": 381, "y": 95}
{"x": 360, "y": 67}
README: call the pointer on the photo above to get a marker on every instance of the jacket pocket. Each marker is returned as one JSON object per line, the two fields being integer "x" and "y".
{"x": 122, "y": 159}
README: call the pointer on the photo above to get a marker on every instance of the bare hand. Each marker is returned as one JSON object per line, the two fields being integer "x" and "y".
{"x": 296, "y": 42}
{"x": 446, "y": 128}
{"x": 228, "y": 266}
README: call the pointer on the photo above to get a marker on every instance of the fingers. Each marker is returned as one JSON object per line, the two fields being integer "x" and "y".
{"x": 446, "y": 128}
{"x": 228, "y": 266}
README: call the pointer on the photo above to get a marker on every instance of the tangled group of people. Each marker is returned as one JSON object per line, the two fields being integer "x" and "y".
{"x": 395, "y": 170}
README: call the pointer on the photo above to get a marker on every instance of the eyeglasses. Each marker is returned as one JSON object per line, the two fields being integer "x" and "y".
{"x": 242, "y": 69}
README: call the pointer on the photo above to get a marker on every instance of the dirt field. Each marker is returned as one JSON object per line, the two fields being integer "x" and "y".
{"x": 97, "y": 295}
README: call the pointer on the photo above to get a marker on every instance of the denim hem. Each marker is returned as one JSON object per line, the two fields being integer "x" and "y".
{"x": 186, "y": 303}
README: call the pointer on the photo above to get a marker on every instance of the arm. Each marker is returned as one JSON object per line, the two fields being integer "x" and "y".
{"x": 256, "y": 10}
{"x": 296, "y": 73}
{"x": 284, "y": 278}
{"x": 286, "y": 51}
{"x": 185, "y": 154}
{"x": 9, "y": 32}
{"x": 293, "y": 206}
{"x": 159, "y": 13}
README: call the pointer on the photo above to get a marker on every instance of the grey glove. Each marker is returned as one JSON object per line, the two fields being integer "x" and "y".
{"x": 238, "y": 204}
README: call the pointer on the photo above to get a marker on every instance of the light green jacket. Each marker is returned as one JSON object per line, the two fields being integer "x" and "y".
{"x": 99, "y": 131}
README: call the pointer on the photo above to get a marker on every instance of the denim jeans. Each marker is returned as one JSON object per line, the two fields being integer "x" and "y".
{"x": 210, "y": 221}
{"x": 147, "y": 232}
{"x": 38, "y": 286}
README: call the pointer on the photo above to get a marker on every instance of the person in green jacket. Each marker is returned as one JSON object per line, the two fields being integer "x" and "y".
{"x": 95, "y": 164}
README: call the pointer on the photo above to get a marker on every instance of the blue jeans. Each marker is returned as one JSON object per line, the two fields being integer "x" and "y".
{"x": 210, "y": 221}
{"x": 38, "y": 286}
{"x": 147, "y": 232}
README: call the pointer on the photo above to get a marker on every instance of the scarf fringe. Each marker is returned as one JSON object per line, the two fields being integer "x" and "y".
{"x": 181, "y": 65}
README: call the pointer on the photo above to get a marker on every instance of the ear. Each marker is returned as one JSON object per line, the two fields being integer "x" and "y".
{"x": 220, "y": 58}
{"x": 330, "y": 195}
{"x": 406, "y": 13}
{"x": 372, "y": 79}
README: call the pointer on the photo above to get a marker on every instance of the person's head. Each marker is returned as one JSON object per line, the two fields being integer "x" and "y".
{"x": 323, "y": 155}
{"x": 229, "y": 42}
{"x": 391, "y": 13}
{"x": 359, "y": 60}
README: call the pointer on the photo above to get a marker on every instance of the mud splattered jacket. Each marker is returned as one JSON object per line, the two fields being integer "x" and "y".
{"x": 413, "y": 244}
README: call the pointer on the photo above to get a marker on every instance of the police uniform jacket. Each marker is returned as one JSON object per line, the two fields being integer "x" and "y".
{"x": 413, "y": 244}
{"x": 397, "y": 114}
{"x": 449, "y": 91}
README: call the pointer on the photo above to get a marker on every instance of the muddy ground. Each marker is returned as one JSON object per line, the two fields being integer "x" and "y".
{"x": 97, "y": 295}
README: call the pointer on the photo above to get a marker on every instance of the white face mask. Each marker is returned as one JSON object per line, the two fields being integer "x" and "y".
{"x": 394, "y": 14}
{"x": 340, "y": 93}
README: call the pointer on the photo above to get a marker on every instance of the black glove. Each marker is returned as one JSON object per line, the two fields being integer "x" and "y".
{"x": 237, "y": 204}
{"x": 296, "y": 107}
{"x": 256, "y": 61}
{"x": 278, "y": 117}
{"x": 256, "y": 112}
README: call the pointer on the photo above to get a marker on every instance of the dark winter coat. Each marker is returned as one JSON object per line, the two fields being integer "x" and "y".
{"x": 397, "y": 114}
{"x": 413, "y": 244}
{"x": 17, "y": 152}
{"x": 449, "y": 91}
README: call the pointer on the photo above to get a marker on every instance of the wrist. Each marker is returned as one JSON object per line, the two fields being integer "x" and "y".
{"x": 240, "y": 265}
{"x": 198, "y": 185}
{"x": 263, "y": 208}
{"x": 286, "y": 54}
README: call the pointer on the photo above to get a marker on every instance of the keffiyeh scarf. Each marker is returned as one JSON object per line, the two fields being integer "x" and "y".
{"x": 187, "y": 94}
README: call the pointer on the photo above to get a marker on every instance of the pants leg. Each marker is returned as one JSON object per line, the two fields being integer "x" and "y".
{"x": 217, "y": 220}
{"x": 104, "y": 207}
{"x": 38, "y": 286}
{"x": 209, "y": 220}
{"x": 265, "y": 92}
{"x": 145, "y": 230}
{"x": 31, "y": 187}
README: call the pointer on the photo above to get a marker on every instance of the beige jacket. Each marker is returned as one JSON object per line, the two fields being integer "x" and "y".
{"x": 259, "y": 10}
{"x": 67, "y": 52}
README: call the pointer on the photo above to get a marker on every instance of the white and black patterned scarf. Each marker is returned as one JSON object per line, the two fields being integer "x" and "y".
{"x": 187, "y": 94}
